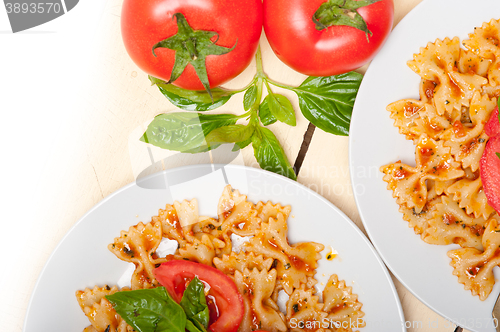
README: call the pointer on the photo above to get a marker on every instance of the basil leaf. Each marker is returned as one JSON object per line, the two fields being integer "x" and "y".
{"x": 184, "y": 131}
{"x": 149, "y": 310}
{"x": 191, "y": 100}
{"x": 270, "y": 154}
{"x": 328, "y": 101}
{"x": 194, "y": 303}
{"x": 241, "y": 145}
{"x": 192, "y": 327}
{"x": 230, "y": 134}
{"x": 281, "y": 108}
{"x": 265, "y": 115}
{"x": 250, "y": 97}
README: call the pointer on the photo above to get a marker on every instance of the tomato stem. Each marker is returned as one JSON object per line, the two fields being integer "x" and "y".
{"x": 342, "y": 12}
{"x": 191, "y": 47}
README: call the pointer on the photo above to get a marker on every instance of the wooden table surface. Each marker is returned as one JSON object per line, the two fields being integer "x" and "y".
{"x": 103, "y": 154}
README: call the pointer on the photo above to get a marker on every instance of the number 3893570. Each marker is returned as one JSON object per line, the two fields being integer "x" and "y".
{"x": 33, "y": 8}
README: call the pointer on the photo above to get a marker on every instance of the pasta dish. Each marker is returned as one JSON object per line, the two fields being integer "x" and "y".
{"x": 442, "y": 197}
{"x": 265, "y": 267}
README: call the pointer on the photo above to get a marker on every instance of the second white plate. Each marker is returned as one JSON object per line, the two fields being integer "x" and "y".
{"x": 424, "y": 269}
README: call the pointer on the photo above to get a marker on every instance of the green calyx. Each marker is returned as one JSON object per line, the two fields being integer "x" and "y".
{"x": 342, "y": 12}
{"x": 191, "y": 46}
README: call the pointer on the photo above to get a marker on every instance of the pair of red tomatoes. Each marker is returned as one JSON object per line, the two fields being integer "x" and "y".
{"x": 288, "y": 24}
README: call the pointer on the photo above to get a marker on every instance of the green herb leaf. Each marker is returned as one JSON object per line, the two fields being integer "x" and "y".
{"x": 281, "y": 108}
{"x": 192, "y": 327}
{"x": 191, "y": 46}
{"x": 241, "y": 145}
{"x": 195, "y": 305}
{"x": 498, "y": 154}
{"x": 265, "y": 115}
{"x": 149, "y": 310}
{"x": 250, "y": 97}
{"x": 270, "y": 154}
{"x": 190, "y": 100}
{"x": 230, "y": 134}
{"x": 184, "y": 131}
{"x": 328, "y": 101}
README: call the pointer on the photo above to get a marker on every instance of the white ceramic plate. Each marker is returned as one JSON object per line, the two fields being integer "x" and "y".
{"x": 424, "y": 269}
{"x": 83, "y": 260}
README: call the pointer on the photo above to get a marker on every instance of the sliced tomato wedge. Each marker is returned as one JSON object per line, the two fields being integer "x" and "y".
{"x": 492, "y": 127}
{"x": 490, "y": 172}
{"x": 223, "y": 299}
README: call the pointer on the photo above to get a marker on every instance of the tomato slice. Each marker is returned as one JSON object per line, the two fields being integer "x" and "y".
{"x": 490, "y": 172}
{"x": 224, "y": 301}
{"x": 492, "y": 127}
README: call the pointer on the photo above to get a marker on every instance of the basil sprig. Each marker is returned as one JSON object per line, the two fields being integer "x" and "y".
{"x": 150, "y": 310}
{"x": 327, "y": 102}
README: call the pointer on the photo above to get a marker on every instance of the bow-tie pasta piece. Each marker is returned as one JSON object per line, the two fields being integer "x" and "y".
{"x": 485, "y": 43}
{"x": 473, "y": 267}
{"x": 99, "y": 310}
{"x": 404, "y": 113}
{"x": 419, "y": 221}
{"x": 434, "y": 162}
{"x": 341, "y": 304}
{"x": 437, "y": 63}
{"x": 236, "y": 214}
{"x": 241, "y": 261}
{"x": 304, "y": 311}
{"x": 261, "y": 312}
{"x": 269, "y": 210}
{"x": 295, "y": 263}
{"x": 471, "y": 197}
{"x": 471, "y": 63}
{"x": 468, "y": 140}
{"x": 414, "y": 118}
{"x": 138, "y": 245}
{"x": 450, "y": 224}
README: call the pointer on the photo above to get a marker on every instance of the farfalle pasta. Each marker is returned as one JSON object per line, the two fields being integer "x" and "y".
{"x": 263, "y": 267}
{"x": 442, "y": 197}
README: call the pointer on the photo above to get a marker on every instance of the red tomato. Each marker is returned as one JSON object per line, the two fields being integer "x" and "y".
{"x": 490, "y": 172}
{"x": 174, "y": 275}
{"x": 490, "y": 162}
{"x": 293, "y": 36}
{"x": 147, "y": 22}
{"x": 492, "y": 127}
